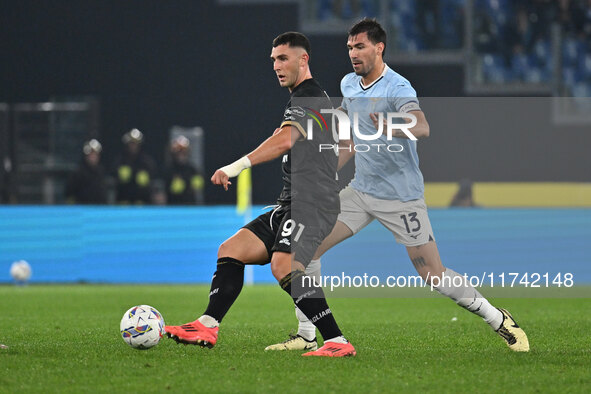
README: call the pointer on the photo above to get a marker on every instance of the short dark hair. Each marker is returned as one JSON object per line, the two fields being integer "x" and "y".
{"x": 293, "y": 39}
{"x": 375, "y": 31}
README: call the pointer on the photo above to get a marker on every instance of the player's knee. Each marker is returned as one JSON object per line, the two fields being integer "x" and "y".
{"x": 280, "y": 268}
{"x": 225, "y": 249}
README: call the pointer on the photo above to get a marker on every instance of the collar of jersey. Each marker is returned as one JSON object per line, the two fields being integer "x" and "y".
{"x": 301, "y": 83}
{"x": 365, "y": 87}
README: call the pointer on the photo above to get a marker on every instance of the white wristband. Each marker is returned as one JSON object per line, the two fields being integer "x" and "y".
{"x": 236, "y": 168}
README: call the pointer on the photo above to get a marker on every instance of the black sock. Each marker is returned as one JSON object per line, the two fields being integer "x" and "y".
{"x": 311, "y": 301}
{"x": 225, "y": 287}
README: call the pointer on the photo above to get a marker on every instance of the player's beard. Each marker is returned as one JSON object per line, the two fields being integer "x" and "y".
{"x": 361, "y": 72}
{"x": 290, "y": 81}
{"x": 366, "y": 67}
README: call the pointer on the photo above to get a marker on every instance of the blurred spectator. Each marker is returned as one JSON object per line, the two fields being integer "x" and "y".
{"x": 346, "y": 9}
{"x": 575, "y": 18}
{"x": 514, "y": 40}
{"x": 184, "y": 184}
{"x": 463, "y": 197}
{"x": 520, "y": 32}
{"x": 87, "y": 184}
{"x": 135, "y": 171}
{"x": 425, "y": 25}
{"x": 427, "y": 17}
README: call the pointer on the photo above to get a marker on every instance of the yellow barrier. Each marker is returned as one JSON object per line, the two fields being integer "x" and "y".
{"x": 514, "y": 194}
{"x": 244, "y": 191}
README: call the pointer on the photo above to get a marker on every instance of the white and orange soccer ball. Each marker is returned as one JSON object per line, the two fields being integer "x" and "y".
{"x": 142, "y": 327}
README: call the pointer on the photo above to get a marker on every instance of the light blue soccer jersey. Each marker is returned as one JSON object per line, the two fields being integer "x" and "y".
{"x": 383, "y": 174}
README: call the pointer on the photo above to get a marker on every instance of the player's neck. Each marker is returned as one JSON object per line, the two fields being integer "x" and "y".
{"x": 305, "y": 76}
{"x": 374, "y": 74}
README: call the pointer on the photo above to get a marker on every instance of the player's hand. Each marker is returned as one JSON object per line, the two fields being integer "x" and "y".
{"x": 375, "y": 119}
{"x": 221, "y": 178}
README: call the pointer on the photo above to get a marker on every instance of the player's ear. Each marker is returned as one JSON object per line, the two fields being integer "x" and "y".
{"x": 305, "y": 58}
{"x": 380, "y": 48}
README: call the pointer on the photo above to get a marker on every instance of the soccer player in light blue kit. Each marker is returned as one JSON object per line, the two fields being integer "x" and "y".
{"x": 388, "y": 184}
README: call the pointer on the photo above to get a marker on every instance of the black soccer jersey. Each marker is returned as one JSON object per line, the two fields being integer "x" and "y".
{"x": 310, "y": 166}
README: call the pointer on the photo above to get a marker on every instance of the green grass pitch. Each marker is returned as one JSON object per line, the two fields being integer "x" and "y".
{"x": 66, "y": 339}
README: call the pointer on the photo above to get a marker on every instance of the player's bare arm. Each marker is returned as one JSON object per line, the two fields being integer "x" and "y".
{"x": 280, "y": 142}
{"x": 420, "y": 130}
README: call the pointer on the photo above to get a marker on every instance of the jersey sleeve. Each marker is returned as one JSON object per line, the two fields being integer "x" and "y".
{"x": 344, "y": 82}
{"x": 403, "y": 98}
{"x": 304, "y": 106}
{"x": 344, "y": 104}
{"x": 294, "y": 116}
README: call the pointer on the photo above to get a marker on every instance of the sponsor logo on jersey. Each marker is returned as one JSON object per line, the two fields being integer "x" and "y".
{"x": 314, "y": 116}
{"x": 297, "y": 111}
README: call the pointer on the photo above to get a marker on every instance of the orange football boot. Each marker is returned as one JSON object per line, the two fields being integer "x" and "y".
{"x": 333, "y": 349}
{"x": 193, "y": 333}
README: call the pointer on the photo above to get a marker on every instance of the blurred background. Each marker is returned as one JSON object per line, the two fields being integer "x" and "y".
{"x": 136, "y": 103}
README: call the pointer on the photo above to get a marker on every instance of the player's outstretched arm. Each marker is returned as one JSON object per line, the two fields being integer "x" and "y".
{"x": 420, "y": 130}
{"x": 280, "y": 142}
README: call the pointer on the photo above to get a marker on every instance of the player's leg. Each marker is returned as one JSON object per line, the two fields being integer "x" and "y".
{"x": 307, "y": 329}
{"x": 410, "y": 224}
{"x": 426, "y": 260}
{"x": 353, "y": 216}
{"x": 244, "y": 247}
{"x": 311, "y": 301}
{"x": 339, "y": 233}
{"x": 449, "y": 283}
{"x": 305, "y": 338}
{"x": 301, "y": 232}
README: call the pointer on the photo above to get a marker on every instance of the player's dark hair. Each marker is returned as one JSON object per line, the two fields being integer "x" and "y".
{"x": 375, "y": 31}
{"x": 293, "y": 39}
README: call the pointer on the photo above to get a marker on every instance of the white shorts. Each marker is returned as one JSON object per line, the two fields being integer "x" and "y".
{"x": 408, "y": 221}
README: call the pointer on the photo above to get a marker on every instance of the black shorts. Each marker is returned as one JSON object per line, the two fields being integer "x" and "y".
{"x": 291, "y": 230}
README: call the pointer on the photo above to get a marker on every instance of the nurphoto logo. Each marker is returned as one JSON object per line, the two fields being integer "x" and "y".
{"x": 344, "y": 130}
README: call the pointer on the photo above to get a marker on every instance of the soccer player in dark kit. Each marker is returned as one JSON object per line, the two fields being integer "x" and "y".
{"x": 306, "y": 210}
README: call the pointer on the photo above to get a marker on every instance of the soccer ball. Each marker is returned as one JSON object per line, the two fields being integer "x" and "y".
{"x": 142, "y": 327}
{"x": 20, "y": 271}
